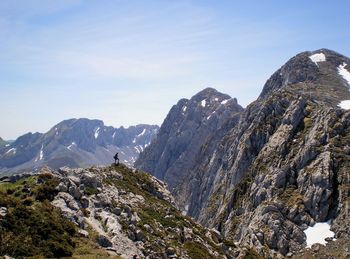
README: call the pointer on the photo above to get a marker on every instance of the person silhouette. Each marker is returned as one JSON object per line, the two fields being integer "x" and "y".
{"x": 116, "y": 159}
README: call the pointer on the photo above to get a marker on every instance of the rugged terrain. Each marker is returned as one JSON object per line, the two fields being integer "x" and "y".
{"x": 264, "y": 174}
{"x": 107, "y": 211}
{"x": 75, "y": 143}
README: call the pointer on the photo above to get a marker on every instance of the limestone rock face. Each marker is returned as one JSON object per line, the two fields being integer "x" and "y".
{"x": 273, "y": 169}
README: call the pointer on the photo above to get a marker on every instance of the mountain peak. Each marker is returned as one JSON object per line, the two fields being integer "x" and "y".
{"x": 209, "y": 93}
{"x": 318, "y": 71}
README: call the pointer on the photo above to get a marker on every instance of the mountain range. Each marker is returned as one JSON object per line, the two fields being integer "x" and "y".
{"x": 264, "y": 175}
{"x": 267, "y": 181}
{"x": 75, "y": 143}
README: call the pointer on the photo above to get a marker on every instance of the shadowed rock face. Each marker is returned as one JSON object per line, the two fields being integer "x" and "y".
{"x": 276, "y": 167}
{"x": 184, "y": 131}
{"x": 74, "y": 143}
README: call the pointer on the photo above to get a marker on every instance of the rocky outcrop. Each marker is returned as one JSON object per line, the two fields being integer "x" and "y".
{"x": 132, "y": 214}
{"x": 280, "y": 167}
{"x": 75, "y": 143}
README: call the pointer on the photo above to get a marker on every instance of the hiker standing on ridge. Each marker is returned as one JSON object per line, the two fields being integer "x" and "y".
{"x": 116, "y": 159}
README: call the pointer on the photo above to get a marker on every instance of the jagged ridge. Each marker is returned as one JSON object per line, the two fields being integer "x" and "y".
{"x": 279, "y": 168}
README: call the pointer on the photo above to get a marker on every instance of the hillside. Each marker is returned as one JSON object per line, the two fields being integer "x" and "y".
{"x": 112, "y": 211}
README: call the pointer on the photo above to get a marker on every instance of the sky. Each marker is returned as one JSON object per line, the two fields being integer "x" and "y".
{"x": 127, "y": 62}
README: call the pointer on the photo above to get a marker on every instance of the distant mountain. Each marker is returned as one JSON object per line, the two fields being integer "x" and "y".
{"x": 3, "y": 142}
{"x": 263, "y": 176}
{"x": 76, "y": 143}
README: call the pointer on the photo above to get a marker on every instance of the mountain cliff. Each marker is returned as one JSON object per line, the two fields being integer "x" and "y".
{"x": 76, "y": 143}
{"x": 206, "y": 116}
{"x": 278, "y": 167}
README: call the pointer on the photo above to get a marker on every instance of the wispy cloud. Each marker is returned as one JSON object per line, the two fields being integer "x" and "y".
{"x": 83, "y": 58}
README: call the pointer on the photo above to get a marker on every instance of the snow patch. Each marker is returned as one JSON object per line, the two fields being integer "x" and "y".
{"x": 345, "y": 104}
{"x": 184, "y": 108}
{"x": 203, "y": 103}
{"x": 216, "y": 99}
{"x": 97, "y": 132}
{"x": 134, "y": 141}
{"x": 224, "y": 101}
{"x": 41, "y": 155}
{"x": 142, "y": 133}
{"x": 13, "y": 150}
{"x": 7, "y": 145}
{"x": 71, "y": 145}
{"x": 318, "y": 57}
{"x": 344, "y": 72}
{"x": 185, "y": 211}
{"x": 114, "y": 134}
{"x": 318, "y": 233}
{"x": 210, "y": 115}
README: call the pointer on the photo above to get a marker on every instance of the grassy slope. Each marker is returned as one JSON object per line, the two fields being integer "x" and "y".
{"x": 33, "y": 227}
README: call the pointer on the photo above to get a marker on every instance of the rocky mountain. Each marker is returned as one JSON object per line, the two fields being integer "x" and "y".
{"x": 207, "y": 116}
{"x": 100, "y": 212}
{"x": 280, "y": 167}
{"x": 75, "y": 143}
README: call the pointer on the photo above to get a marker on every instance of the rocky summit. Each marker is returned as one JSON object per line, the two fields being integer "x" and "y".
{"x": 75, "y": 143}
{"x": 263, "y": 176}
{"x": 206, "y": 116}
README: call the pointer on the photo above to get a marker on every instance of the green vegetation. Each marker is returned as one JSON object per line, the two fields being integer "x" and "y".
{"x": 291, "y": 197}
{"x": 90, "y": 191}
{"x": 196, "y": 250}
{"x": 251, "y": 254}
{"x": 87, "y": 247}
{"x": 36, "y": 229}
{"x": 307, "y": 122}
{"x": 33, "y": 227}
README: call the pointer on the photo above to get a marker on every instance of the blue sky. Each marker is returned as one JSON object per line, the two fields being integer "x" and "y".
{"x": 127, "y": 62}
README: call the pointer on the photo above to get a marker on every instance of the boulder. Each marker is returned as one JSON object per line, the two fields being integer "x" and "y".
{"x": 104, "y": 241}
